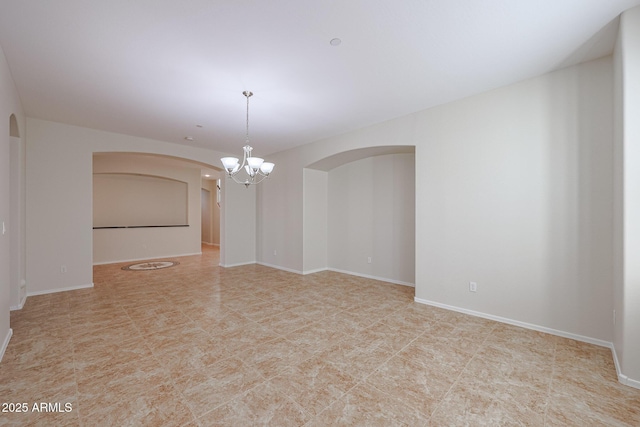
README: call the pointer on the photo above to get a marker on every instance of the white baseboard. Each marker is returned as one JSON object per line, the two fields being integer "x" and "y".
{"x": 237, "y": 264}
{"x": 19, "y": 306}
{"x": 525, "y": 325}
{"x": 351, "y": 273}
{"x": 51, "y": 291}
{"x": 278, "y": 267}
{"x": 5, "y": 343}
{"x": 622, "y": 378}
{"x": 145, "y": 259}
{"x": 317, "y": 270}
{"x": 367, "y": 276}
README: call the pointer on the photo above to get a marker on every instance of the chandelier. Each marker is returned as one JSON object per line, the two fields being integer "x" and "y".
{"x": 255, "y": 169}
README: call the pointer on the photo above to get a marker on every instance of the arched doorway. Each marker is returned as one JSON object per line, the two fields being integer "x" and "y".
{"x": 128, "y": 242}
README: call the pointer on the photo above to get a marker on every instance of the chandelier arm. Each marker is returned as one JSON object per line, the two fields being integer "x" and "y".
{"x": 238, "y": 181}
{"x": 251, "y": 180}
{"x": 261, "y": 178}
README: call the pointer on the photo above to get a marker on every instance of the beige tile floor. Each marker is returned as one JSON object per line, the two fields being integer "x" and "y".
{"x": 198, "y": 345}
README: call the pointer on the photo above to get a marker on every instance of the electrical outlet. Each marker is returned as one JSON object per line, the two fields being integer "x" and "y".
{"x": 614, "y": 317}
{"x": 369, "y": 260}
{"x": 473, "y": 286}
{"x": 275, "y": 252}
{"x": 63, "y": 269}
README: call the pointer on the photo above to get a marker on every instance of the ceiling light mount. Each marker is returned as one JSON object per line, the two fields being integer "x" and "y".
{"x": 255, "y": 169}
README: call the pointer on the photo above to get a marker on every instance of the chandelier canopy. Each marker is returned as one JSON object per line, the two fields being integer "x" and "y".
{"x": 252, "y": 170}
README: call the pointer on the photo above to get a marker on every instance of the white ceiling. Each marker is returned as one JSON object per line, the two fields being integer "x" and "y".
{"x": 158, "y": 68}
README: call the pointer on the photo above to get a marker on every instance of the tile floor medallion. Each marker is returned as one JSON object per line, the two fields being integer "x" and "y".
{"x": 150, "y": 265}
{"x": 202, "y": 345}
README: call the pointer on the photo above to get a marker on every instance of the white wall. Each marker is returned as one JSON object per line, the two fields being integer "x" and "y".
{"x": 9, "y": 104}
{"x": 372, "y": 214}
{"x": 315, "y": 220}
{"x": 280, "y": 214}
{"x": 18, "y": 231}
{"x": 627, "y": 198}
{"x": 513, "y": 191}
{"x": 618, "y": 198}
{"x": 59, "y": 197}
{"x": 516, "y": 196}
{"x": 126, "y": 199}
{"x": 115, "y": 245}
{"x": 238, "y": 214}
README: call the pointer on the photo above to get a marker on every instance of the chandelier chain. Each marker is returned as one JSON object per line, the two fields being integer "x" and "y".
{"x": 248, "y": 94}
{"x": 248, "y": 118}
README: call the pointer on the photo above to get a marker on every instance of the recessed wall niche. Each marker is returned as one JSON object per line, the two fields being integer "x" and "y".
{"x": 137, "y": 200}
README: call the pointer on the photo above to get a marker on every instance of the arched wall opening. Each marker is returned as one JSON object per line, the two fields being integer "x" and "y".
{"x": 59, "y": 199}
{"x": 136, "y": 236}
{"x": 359, "y": 214}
